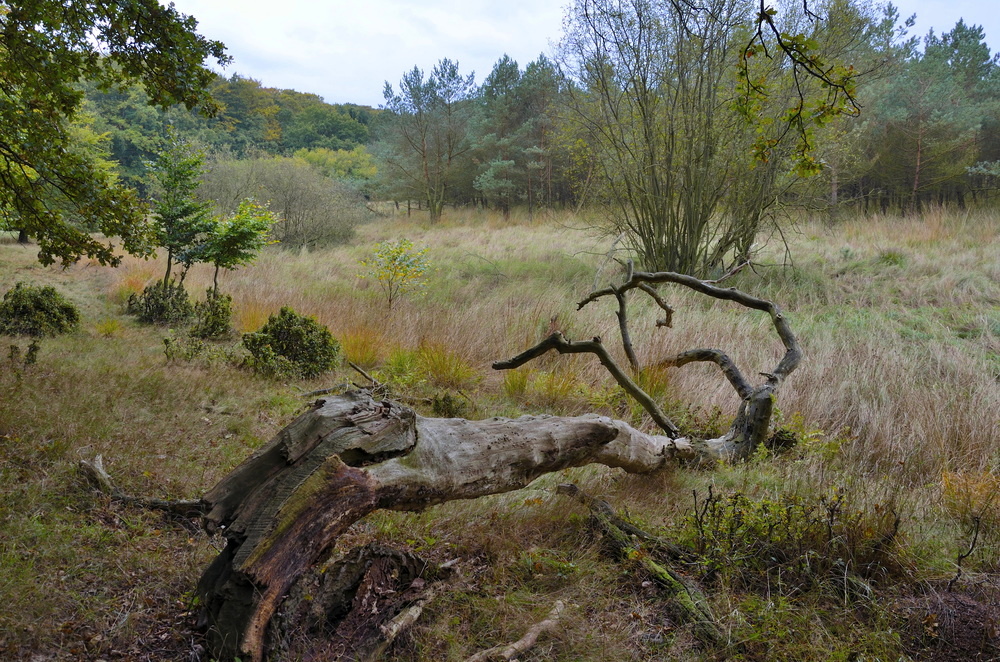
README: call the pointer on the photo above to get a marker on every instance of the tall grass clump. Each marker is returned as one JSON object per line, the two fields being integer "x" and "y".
{"x": 444, "y": 367}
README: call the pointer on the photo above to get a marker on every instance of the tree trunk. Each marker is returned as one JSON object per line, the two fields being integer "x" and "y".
{"x": 283, "y": 509}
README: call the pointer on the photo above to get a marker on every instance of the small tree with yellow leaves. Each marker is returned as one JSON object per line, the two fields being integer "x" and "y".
{"x": 398, "y": 267}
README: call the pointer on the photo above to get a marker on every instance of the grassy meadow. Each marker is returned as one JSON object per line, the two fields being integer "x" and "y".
{"x": 896, "y": 410}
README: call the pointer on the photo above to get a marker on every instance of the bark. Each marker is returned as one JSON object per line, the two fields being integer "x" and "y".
{"x": 284, "y": 508}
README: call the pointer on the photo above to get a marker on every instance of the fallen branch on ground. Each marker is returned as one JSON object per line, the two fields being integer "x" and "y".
{"x": 100, "y": 479}
{"x": 689, "y": 602}
{"x": 525, "y": 643}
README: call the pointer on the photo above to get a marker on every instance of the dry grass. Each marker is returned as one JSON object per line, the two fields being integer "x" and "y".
{"x": 898, "y": 318}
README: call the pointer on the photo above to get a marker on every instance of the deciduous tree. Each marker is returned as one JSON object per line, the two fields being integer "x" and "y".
{"x": 46, "y": 46}
{"x": 180, "y": 219}
{"x": 236, "y": 240}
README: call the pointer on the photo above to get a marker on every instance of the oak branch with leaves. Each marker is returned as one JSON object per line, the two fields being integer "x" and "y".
{"x": 46, "y": 47}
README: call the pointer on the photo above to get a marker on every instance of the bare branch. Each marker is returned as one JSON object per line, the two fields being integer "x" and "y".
{"x": 793, "y": 353}
{"x": 99, "y": 478}
{"x": 729, "y": 274}
{"x": 690, "y": 602}
{"x": 622, "y": 315}
{"x": 525, "y": 643}
{"x": 559, "y": 343}
{"x": 668, "y": 311}
{"x": 718, "y": 357}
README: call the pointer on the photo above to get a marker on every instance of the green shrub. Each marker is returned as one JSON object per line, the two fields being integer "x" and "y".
{"x": 161, "y": 305}
{"x": 790, "y": 544}
{"x": 213, "y": 316}
{"x": 291, "y": 345}
{"x": 448, "y": 406}
{"x": 27, "y": 310}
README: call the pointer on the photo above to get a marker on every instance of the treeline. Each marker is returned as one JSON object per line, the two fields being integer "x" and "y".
{"x": 928, "y": 131}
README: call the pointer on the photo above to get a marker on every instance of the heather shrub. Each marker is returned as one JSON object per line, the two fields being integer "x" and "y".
{"x": 159, "y": 304}
{"x": 213, "y": 316}
{"x": 28, "y": 310}
{"x": 290, "y": 344}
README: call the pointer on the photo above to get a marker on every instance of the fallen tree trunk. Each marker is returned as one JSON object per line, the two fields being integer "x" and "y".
{"x": 283, "y": 509}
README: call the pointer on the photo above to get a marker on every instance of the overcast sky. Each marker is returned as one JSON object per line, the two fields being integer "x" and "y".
{"x": 345, "y": 50}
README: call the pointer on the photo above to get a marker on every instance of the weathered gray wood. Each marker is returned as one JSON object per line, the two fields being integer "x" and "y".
{"x": 283, "y": 509}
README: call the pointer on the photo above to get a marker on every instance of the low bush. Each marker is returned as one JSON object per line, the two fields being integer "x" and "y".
{"x": 161, "y": 305}
{"x": 27, "y": 310}
{"x": 290, "y": 344}
{"x": 791, "y": 544}
{"x": 213, "y": 316}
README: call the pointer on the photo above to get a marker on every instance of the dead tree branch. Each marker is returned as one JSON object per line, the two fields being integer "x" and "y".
{"x": 750, "y": 426}
{"x": 729, "y": 369}
{"x": 97, "y": 475}
{"x": 690, "y": 602}
{"x": 525, "y": 643}
{"x": 559, "y": 343}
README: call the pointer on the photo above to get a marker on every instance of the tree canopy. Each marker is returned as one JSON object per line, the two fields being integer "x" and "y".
{"x": 46, "y": 47}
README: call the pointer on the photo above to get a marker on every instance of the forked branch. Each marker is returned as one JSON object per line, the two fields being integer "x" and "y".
{"x": 754, "y": 416}
{"x": 559, "y": 343}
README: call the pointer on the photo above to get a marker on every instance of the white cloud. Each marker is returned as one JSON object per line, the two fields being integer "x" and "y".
{"x": 345, "y": 51}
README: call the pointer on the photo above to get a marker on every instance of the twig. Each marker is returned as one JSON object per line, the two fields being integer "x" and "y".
{"x": 961, "y": 557}
{"x": 375, "y": 382}
{"x": 408, "y": 616}
{"x": 525, "y": 643}
{"x": 732, "y": 272}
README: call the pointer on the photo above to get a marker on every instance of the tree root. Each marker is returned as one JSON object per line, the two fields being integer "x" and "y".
{"x": 354, "y": 608}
